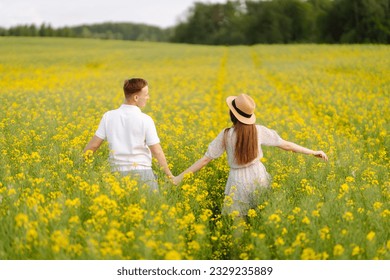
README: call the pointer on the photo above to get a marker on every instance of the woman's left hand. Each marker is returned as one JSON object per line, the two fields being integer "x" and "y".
{"x": 321, "y": 154}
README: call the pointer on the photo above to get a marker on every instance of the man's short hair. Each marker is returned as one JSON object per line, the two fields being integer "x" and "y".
{"x": 133, "y": 85}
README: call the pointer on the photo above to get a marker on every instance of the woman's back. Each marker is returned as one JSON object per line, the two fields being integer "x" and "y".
{"x": 227, "y": 139}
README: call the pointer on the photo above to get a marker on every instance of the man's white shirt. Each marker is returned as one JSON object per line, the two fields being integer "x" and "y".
{"x": 128, "y": 132}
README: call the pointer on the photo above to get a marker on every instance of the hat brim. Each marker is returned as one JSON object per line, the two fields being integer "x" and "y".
{"x": 239, "y": 117}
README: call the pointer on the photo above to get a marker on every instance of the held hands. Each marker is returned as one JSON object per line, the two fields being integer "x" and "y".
{"x": 320, "y": 154}
{"x": 176, "y": 180}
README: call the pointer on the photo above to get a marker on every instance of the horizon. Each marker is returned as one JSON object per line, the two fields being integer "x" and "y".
{"x": 86, "y": 24}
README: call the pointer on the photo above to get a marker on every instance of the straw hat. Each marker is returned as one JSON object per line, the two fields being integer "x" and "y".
{"x": 243, "y": 108}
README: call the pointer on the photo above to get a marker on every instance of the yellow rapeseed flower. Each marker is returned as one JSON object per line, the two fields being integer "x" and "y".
{"x": 199, "y": 229}
{"x": 11, "y": 192}
{"x": 288, "y": 251}
{"x": 21, "y": 220}
{"x": 377, "y": 205}
{"x": 350, "y": 179}
{"x": 385, "y": 213}
{"x": 261, "y": 236}
{"x": 59, "y": 240}
{"x": 194, "y": 245}
{"x": 296, "y": 210}
{"x": 31, "y": 235}
{"x": 308, "y": 254}
{"x": 252, "y": 213}
{"x": 325, "y": 233}
{"x": 348, "y": 216}
{"x": 74, "y": 220}
{"x": 344, "y": 188}
{"x": 279, "y": 241}
{"x": 244, "y": 256}
{"x": 356, "y": 250}
{"x": 73, "y": 203}
{"x": 172, "y": 255}
{"x": 228, "y": 201}
{"x": 306, "y": 220}
{"x": 300, "y": 240}
{"x": 206, "y": 214}
{"x": 274, "y": 218}
{"x": 338, "y": 250}
{"x": 370, "y": 236}
{"x": 315, "y": 213}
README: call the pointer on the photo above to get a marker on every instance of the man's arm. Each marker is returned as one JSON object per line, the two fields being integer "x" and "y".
{"x": 94, "y": 144}
{"x": 158, "y": 153}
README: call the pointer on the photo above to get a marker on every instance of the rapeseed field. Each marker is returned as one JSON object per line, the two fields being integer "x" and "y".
{"x": 56, "y": 203}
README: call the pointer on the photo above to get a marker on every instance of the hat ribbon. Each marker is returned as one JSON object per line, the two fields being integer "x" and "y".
{"x": 239, "y": 111}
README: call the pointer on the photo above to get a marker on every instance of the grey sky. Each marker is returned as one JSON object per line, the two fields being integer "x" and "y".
{"x": 60, "y": 13}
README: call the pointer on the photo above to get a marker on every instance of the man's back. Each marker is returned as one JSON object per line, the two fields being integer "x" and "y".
{"x": 129, "y": 132}
{"x": 132, "y": 136}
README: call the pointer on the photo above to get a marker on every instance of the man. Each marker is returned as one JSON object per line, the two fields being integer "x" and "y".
{"x": 132, "y": 136}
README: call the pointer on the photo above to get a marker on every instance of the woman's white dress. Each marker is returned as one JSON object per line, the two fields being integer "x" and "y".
{"x": 243, "y": 180}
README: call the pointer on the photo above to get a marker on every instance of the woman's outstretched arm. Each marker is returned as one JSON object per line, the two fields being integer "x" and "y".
{"x": 192, "y": 169}
{"x": 290, "y": 146}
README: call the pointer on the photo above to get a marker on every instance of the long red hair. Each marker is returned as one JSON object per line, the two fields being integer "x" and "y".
{"x": 246, "y": 147}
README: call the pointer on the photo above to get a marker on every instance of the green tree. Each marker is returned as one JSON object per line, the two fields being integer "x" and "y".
{"x": 65, "y": 32}
{"x": 278, "y": 21}
{"x": 211, "y": 24}
{"x": 319, "y": 11}
{"x": 358, "y": 21}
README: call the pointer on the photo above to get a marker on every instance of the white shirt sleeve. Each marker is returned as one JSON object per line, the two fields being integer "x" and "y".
{"x": 269, "y": 137}
{"x": 216, "y": 147}
{"x": 151, "y": 136}
{"x": 101, "y": 132}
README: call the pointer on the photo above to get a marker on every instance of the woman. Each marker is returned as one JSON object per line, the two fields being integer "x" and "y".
{"x": 242, "y": 143}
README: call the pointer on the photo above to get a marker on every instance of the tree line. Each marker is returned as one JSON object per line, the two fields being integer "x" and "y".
{"x": 249, "y": 22}
{"x": 109, "y": 30}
